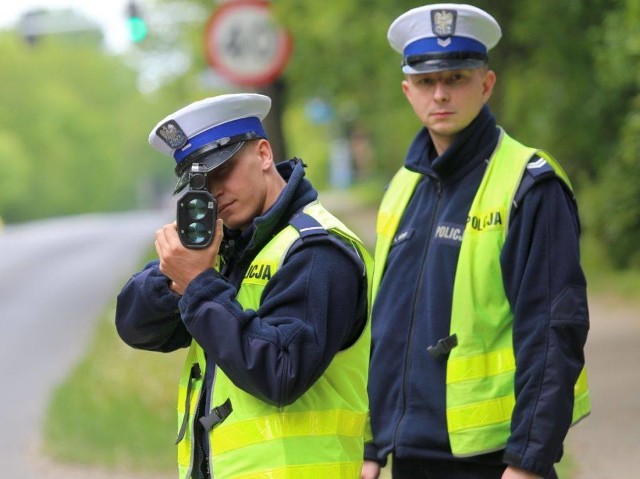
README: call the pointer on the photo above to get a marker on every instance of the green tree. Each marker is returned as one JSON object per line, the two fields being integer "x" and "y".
{"x": 341, "y": 55}
{"x": 548, "y": 86}
{"x": 74, "y": 130}
{"x": 613, "y": 199}
{"x": 567, "y": 82}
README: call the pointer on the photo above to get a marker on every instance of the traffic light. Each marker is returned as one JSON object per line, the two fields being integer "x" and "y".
{"x": 137, "y": 24}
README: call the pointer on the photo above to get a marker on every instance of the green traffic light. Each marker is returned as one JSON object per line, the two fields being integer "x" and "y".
{"x": 137, "y": 29}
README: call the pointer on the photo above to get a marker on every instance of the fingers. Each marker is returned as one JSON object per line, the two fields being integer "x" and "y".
{"x": 166, "y": 236}
{"x": 370, "y": 470}
{"x": 217, "y": 236}
{"x": 160, "y": 243}
{"x": 181, "y": 264}
{"x": 165, "y": 243}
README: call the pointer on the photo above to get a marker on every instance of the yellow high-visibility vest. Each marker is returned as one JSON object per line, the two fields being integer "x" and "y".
{"x": 480, "y": 372}
{"x": 322, "y": 433}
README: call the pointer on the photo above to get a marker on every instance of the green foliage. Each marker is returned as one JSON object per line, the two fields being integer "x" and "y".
{"x": 549, "y": 86}
{"x": 616, "y": 194}
{"x": 74, "y": 132}
{"x": 568, "y": 81}
{"x": 613, "y": 203}
{"x": 341, "y": 55}
{"x": 313, "y": 149}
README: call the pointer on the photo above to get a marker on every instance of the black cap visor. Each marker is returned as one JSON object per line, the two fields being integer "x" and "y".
{"x": 442, "y": 62}
{"x": 211, "y": 156}
{"x": 207, "y": 160}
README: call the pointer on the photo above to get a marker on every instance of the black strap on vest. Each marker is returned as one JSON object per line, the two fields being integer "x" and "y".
{"x": 307, "y": 225}
{"x": 443, "y": 347}
{"x": 217, "y": 416}
{"x": 194, "y": 374}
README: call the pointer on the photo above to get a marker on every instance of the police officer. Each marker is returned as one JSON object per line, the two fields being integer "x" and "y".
{"x": 480, "y": 308}
{"x": 275, "y": 309}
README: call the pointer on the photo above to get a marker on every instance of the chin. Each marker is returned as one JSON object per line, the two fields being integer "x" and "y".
{"x": 235, "y": 225}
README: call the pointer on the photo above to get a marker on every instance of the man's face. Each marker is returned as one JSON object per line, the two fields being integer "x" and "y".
{"x": 240, "y": 186}
{"x": 447, "y": 102}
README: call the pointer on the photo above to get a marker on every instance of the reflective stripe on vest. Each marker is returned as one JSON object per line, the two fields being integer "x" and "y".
{"x": 321, "y": 433}
{"x": 480, "y": 375}
{"x": 189, "y": 392}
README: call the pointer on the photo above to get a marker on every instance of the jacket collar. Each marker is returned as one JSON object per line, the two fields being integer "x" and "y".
{"x": 473, "y": 145}
{"x": 297, "y": 193}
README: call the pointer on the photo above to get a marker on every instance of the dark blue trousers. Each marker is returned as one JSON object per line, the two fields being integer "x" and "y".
{"x": 434, "y": 469}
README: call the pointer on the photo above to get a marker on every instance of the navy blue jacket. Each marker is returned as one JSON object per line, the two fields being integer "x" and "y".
{"x": 314, "y": 306}
{"x": 545, "y": 287}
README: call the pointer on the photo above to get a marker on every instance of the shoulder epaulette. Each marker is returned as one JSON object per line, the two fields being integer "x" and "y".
{"x": 306, "y": 225}
{"x": 537, "y": 169}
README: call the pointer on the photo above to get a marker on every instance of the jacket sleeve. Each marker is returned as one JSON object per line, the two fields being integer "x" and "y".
{"x": 147, "y": 314}
{"x": 309, "y": 310}
{"x": 371, "y": 454}
{"x": 546, "y": 287}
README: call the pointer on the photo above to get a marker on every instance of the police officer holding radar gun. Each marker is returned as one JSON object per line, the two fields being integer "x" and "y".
{"x": 273, "y": 310}
{"x": 480, "y": 309}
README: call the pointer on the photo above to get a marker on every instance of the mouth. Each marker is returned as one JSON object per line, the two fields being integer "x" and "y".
{"x": 223, "y": 207}
{"x": 441, "y": 114}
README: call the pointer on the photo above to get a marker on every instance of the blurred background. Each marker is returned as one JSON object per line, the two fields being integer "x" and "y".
{"x": 84, "y": 82}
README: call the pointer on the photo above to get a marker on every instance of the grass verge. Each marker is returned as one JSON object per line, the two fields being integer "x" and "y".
{"x": 116, "y": 408}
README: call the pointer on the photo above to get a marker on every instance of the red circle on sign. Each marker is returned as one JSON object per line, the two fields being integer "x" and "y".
{"x": 244, "y": 45}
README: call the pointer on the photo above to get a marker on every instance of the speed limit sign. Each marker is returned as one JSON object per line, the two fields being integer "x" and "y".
{"x": 244, "y": 44}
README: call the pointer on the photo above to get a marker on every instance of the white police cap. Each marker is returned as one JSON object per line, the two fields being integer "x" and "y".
{"x": 443, "y": 36}
{"x": 210, "y": 131}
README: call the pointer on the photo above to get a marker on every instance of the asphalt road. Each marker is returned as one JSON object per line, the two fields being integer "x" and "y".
{"x": 56, "y": 278}
{"x": 606, "y": 445}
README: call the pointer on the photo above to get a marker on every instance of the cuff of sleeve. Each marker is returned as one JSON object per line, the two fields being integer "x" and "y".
{"x": 371, "y": 454}
{"x": 202, "y": 285}
{"x": 159, "y": 295}
{"x": 528, "y": 463}
{"x": 207, "y": 286}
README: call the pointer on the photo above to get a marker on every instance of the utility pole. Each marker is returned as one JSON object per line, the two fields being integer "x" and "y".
{"x": 273, "y": 122}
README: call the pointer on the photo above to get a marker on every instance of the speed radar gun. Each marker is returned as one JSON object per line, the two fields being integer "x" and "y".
{"x": 201, "y": 137}
{"x": 197, "y": 211}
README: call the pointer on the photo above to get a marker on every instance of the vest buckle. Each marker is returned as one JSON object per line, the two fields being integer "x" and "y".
{"x": 443, "y": 347}
{"x": 218, "y": 415}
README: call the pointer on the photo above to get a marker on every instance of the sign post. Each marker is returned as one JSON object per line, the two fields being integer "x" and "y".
{"x": 244, "y": 44}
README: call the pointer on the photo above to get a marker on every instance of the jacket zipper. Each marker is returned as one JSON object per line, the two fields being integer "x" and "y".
{"x": 413, "y": 314}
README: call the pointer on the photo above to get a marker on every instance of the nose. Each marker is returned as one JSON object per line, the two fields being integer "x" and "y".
{"x": 441, "y": 92}
{"x": 214, "y": 186}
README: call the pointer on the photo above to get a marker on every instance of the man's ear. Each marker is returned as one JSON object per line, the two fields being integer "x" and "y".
{"x": 264, "y": 151}
{"x": 488, "y": 84}
{"x": 405, "y": 88}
